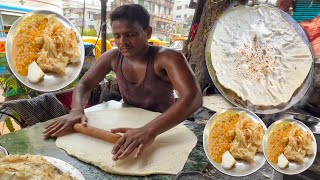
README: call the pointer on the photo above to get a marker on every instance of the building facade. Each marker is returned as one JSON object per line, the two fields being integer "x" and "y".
{"x": 182, "y": 16}
{"x": 52, "y": 5}
{"x": 88, "y": 16}
{"x": 181, "y": 11}
{"x": 160, "y": 11}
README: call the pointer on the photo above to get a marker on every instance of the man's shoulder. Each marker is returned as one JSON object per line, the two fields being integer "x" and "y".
{"x": 113, "y": 53}
{"x": 110, "y": 55}
{"x": 167, "y": 53}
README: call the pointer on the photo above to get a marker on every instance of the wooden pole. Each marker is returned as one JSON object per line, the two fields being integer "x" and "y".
{"x": 83, "y": 18}
{"x": 104, "y": 25}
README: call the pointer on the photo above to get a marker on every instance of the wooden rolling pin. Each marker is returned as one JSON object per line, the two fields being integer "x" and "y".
{"x": 97, "y": 133}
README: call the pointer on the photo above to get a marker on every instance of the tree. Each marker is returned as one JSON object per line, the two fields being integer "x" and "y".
{"x": 104, "y": 25}
{"x": 196, "y": 49}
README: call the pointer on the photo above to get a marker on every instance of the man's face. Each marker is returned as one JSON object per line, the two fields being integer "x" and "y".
{"x": 130, "y": 37}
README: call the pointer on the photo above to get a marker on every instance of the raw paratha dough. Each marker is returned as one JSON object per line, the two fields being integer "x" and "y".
{"x": 167, "y": 155}
{"x": 259, "y": 55}
{"x": 216, "y": 102}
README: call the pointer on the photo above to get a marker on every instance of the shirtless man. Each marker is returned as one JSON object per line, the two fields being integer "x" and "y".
{"x": 146, "y": 77}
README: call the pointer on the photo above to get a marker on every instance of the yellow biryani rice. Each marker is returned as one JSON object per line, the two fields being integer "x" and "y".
{"x": 222, "y": 134}
{"x": 25, "y": 49}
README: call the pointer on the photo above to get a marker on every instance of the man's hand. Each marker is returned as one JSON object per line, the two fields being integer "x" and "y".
{"x": 64, "y": 124}
{"x": 133, "y": 138}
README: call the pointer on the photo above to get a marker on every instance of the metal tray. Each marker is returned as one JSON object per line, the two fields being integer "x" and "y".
{"x": 242, "y": 168}
{"x": 236, "y": 100}
{"x": 294, "y": 168}
{"x": 51, "y": 81}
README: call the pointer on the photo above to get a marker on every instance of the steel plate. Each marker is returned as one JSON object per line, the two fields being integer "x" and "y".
{"x": 294, "y": 168}
{"x": 242, "y": 168}
{"x": 237, "y": 101}
{"x": 64, "y": 167}
{"x": 51, "y": 81}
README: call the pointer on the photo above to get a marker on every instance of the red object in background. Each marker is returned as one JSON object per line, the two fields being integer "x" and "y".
{"x": 66, "y": 99}
{"x": 286, "y": 5}
{"x": 312, "y": 29}
{"x": 2, "y": 47}
{"x": 194, "y": 29}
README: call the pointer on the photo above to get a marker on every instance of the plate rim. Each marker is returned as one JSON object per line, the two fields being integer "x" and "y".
{"x": 4, "y": 150}
{"x": 9, "y": 41}
{"x": 207, "y": 129}
{"x": 264, "y": 145}
{"x": 300, "y": 91}
{"x": 64, "y": 163}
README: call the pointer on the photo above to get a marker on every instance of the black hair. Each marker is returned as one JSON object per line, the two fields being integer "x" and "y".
{"x": 132, "y": 13}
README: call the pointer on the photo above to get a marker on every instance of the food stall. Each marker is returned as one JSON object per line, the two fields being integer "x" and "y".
{"x": 260, "y": 61}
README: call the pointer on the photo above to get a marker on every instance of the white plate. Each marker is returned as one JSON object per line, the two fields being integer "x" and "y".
{"x": 64, "y": 167}
{"x": 242, "y": 168}
{"x": 3, "y": 151}
{"x": 51, "y": 81}
{"x": 294, "y": 168}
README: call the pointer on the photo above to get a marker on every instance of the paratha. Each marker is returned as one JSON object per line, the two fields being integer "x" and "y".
{"x": 258, "y": 55}
{"x": 30, "y": 167}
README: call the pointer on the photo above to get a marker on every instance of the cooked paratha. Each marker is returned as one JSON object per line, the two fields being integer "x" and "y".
{"x": 30, "y": 167}
{"x": 258, "y": 55}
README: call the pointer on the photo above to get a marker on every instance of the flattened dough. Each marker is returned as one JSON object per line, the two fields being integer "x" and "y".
{"x": 167, "y": 155}
{"x": 258, "y": 55}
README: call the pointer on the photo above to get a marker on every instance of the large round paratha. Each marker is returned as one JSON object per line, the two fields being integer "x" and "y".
{"x": 258, "y": 55}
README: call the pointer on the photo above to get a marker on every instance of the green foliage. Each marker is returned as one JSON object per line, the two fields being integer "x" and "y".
{"x": 90, "y": 32}
{"x": 3, "y": 62}
{"x": 184, "y": 29}
{"x": 109, "y": 36}
{"x": 180, "y": 29}
{"x": 9, "y": 124}
{"x": 9, "y": 83}
{"x": 110, "y": 76}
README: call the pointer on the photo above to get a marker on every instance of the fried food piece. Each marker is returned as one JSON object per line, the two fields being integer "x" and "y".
{"x": 248, "y": 139}
{"x": 299, "y": 145}
{"x": 60, "y": 47}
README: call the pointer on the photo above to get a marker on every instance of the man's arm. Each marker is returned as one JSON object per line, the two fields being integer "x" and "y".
{"x": 181, "y": 76}
{"x": 184, "y": 81}
{"x": 81, "y": 95}
{"x": 91, "y": 79}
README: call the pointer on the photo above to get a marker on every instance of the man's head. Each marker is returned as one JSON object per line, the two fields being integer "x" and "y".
{"x": 131, "y": 29}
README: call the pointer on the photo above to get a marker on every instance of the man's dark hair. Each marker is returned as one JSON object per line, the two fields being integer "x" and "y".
{"x": 132, "y": 13}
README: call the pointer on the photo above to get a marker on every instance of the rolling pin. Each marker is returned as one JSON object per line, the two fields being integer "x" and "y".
{"x": 97, "y": 133}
